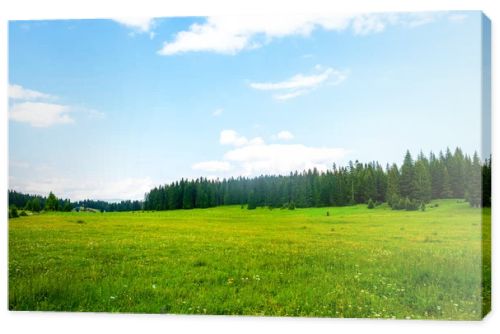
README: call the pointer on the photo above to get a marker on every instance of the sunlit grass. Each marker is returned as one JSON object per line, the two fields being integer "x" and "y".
{"x": 227, "y": 260}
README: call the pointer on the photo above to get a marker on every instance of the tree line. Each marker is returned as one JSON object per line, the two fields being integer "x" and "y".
{"x": 37, "y": 203}
{"x": 416, "y": 181}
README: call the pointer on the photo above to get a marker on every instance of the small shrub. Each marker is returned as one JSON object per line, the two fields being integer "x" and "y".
{"x": 422, "y": 207}
{"x": 393, "y": 201}
{"x": 23, "y": 214}
{"x": 401, "y": 204}
{"x": 79, "y": 221}
{"x": 328, "y": 213}
{"x": 291, "y": 206}
{"x": 371, "y": 205}
{"x": 411, "y": 205}
{"x": 13, "y": 212}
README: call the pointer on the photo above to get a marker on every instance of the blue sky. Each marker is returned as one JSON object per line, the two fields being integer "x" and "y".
{"x": 107, "y": 109}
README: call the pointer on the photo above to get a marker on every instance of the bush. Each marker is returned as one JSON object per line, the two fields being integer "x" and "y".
{"x": 393, "y": 201}
{"x": 422, "y": 206}
{"x": 13, "y": 212}
{"x": 328, "y": 213}
{"x": 411, "y": 205}
{"x": 23, "y": 214}
{"x": 291, "y": 206}
{"x": 371, "y": 205}
{"x": 401, "y": 204}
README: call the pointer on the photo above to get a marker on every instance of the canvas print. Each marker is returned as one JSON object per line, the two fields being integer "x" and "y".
{"x": 302, "y": 166}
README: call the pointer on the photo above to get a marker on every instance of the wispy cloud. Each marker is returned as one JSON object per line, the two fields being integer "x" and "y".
{"x": 143, "y": 24}
{"x": 138, "y": 25}
{"x": 217, "y": 112}
{"x": 38, "y": 110}
{"x": 231, "y": 137}
{"x": 251, "y": 157}
{"x": 40, "y": 114}
{"x": 284, "y": 135}
{"x": 17, "y": 92}
{"x": 301, "y": 84}
{"x": 232, "y": 34}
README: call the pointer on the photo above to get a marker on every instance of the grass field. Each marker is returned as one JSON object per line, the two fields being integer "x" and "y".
{"x": 354, "y": 263}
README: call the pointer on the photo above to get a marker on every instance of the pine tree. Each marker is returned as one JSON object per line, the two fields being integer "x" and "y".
{"x": 52, "y": 203}
{"x": 446, "y": 192}
{"x": 252, "y": 201}
{"x": 456, "y": 173}
{"x": 474, "y": 190}
{"x": 436, "y": 168}
{"x": 36, "y": 206}
{"x": 423, "y": 188}
{"x": 407, "y": 185}
{"x": 393, "y": 183}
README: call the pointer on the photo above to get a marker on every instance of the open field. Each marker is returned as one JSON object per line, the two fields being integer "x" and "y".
{"x": 354, "y": 263}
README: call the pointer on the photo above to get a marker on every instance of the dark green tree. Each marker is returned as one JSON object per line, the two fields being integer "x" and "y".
{"x": 252, "y": 201}
{"x": 407, "y": 183}
{"x": 423, "y": 186}
{"x": 36, "y": 206}
{"x": 52, "y": 203}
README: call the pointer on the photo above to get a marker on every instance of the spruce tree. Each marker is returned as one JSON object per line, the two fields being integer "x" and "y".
{"x": 423, "y": 190}
{"x": 52, "y": 203}
{"x": 474, "y": 190}
{"x": 407, "y": 185}
{"x": 35, "y": 205}
{"x": 393, "y": 183}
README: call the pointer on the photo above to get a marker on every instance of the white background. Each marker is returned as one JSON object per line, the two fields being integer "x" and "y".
{"x": 44, "y": 322}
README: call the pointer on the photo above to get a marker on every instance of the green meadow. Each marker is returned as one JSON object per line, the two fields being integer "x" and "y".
{"x": 353, "y": 262}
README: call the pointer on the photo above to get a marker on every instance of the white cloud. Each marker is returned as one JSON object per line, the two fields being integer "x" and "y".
{"x": 232, "y": 34}
{"x": 281, "y": 158}
{"x": 231, "y": 137}
{"x": 95, "y": 114}
{"x": 284, "y": 135}
{"x": 367, "y": 24}
{"x": 255, "y": 157}
{"x": 138, "y": 24}
{"x": 213, "y": 166}
{"x": 288, "y": 96}
{"x": 17, "y": 92}
{"x": 295, "y": 82}
{"x": 40, "y": 114}
{"x": 218, "y": 112}
{"x": 37, "y": 109}
{"x": 301, "y": 84}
